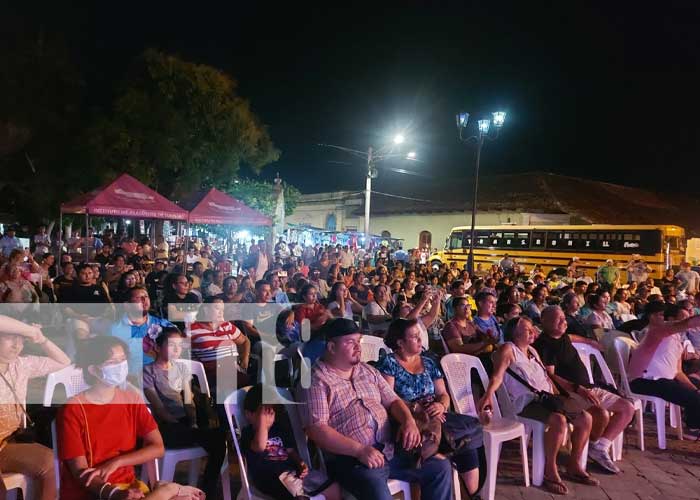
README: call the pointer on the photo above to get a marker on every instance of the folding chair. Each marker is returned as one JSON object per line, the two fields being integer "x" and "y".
{"x": 587, "y": 352}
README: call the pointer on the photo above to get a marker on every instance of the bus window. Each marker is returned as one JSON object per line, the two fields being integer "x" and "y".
{"x": 538, "y": 239}
{"x": 675, "y": 243}
{"x": 483, "y": 239}
{"x": 456, "y": 239}
{"x": 523, "y": 240}
{"x": 508, "y": 240}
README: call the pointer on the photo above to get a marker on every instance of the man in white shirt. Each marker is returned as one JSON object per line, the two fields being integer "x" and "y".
{"x": 191, "y": 257}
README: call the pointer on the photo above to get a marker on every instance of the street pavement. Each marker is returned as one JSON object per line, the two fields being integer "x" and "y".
{"x": 654, "y": 474}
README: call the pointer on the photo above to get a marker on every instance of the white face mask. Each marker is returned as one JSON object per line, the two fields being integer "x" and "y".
{"x": 115, "y": 375}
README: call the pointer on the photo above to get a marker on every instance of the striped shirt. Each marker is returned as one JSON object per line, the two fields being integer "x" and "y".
{"x": 211, "y": 345}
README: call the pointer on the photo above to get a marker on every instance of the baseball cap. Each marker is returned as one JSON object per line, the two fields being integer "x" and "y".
{"x": 340, "y": 327}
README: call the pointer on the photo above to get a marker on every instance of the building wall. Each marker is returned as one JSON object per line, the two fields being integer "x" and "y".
{"x": 409, "y": 226}
{"x": 314, "y": 209}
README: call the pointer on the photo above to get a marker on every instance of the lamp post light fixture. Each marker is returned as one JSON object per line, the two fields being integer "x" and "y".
{"x": 483, "y": 127}
{"x": 372, "y": 157}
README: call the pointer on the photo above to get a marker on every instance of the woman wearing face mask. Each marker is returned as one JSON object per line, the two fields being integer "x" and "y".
{"x": 99, "y": 428}
{"x": 31, "y": 459}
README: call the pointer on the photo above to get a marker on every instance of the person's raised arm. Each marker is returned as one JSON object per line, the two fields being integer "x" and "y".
{"x": 435, "y": 302}
{"x": 33, "y": 333}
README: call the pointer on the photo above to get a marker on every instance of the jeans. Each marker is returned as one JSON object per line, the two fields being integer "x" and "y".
{"x": 674, "y": 392}
{"x": 434, "y": 477}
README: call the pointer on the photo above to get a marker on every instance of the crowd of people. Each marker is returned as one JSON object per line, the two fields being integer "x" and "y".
{"x": 117, "y": 323}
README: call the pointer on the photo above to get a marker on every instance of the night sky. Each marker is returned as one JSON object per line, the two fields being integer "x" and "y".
{"x": 603, "y": 90}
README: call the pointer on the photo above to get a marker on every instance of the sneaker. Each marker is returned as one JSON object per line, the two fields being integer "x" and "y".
{"x": 601, "y": 456}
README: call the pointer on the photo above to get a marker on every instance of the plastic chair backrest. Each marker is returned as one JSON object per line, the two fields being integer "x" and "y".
{"x": 445, "y": 347}
{"x": 458, "y": 372}
{"x": 688, "y": 346}
{"x": 70, "y": 377}
{"x": 623, "y": 349}
{"x": 587, "y": 352}
{"x": 197, "y": 370}
{"x": 233, "y": 407}
{"x": 371, "y": 347}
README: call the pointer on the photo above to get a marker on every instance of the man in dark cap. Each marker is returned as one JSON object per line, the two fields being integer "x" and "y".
{"x": 348, "y": 408}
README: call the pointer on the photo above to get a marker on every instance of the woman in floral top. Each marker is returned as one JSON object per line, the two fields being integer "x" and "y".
{"x": 416, "y": 377}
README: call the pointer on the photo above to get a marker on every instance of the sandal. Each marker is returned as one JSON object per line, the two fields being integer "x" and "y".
{"x": 587, "y": 479}
{"x": 555, "y": 487}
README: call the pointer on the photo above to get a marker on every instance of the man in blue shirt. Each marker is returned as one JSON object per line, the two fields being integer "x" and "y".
{"x": 139, "y": 329}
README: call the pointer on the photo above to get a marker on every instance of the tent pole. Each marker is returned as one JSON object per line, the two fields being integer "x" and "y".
{"x": 60, "y": 242}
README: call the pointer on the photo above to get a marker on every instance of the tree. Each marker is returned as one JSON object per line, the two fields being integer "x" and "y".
{"x": 261, "y": 195}
{"x": 178, "y": 126}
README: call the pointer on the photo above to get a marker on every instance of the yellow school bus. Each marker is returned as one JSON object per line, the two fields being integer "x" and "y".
{"x": 660, "y": 246}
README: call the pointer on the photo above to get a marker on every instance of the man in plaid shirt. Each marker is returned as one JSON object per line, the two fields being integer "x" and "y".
{"x": 347, "y": 416}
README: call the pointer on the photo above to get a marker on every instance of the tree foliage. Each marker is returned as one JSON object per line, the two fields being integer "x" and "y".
{"x": 178, "y": 126}
{"x": 262, "y": 196}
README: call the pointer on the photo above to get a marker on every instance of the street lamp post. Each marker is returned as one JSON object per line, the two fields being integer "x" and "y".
{"x": 483, "y": 133}
{"x": 372, "y": 157}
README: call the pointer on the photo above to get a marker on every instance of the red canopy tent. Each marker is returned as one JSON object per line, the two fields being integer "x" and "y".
{"x": 123, "y": 197}
{"x": 216, "y": 207}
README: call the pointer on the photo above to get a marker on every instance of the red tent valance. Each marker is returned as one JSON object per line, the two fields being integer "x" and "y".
{"x": 216, "y": 207}
{"x": 125, "y": 197}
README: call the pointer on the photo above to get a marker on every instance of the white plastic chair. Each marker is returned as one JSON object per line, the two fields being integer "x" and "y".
{"x": 586, "y": 352}
{"x": 193, "y": 454}
{"x": 14, "y": 482}
{"x": 371, "y": 346}
{"x": 537, "y": 430}
{"x": 458, "y": 371}
{"x": 445, "y": 347}
{"x": 233, "y": 406}
{"x": 70, "y": 377}
{"x": 623, "y": 348}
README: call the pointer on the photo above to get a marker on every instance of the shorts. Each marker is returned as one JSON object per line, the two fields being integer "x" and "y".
{"x": 574, "y": 405}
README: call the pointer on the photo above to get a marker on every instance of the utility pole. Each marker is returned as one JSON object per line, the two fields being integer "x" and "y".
{"x": 368, "y": 195}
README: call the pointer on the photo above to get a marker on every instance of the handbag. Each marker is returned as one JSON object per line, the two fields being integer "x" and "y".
{"x": 552, "y": 402}
{"x": 430, "y": 430}
{"x": 461, "y": 432}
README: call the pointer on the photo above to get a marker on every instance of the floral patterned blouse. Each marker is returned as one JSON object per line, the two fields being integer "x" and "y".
{"x": 411, "y": 386}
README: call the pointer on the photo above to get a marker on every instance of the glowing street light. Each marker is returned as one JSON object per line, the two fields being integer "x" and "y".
{"x": 372, "y": 157}
{"x": 483, "y": 125}
{"x": 499, "y": 117}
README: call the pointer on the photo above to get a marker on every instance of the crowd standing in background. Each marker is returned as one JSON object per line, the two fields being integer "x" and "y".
{"x": 133, "y": 307}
